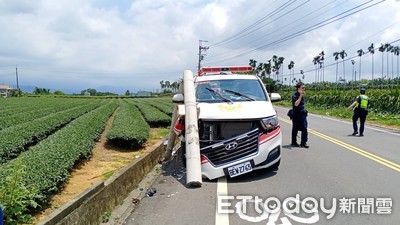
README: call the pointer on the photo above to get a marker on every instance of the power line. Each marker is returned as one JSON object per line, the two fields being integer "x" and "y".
{"x": 291, "y": 23}
{"x": 311, "y": 28}
{"x": 370, "y": 36}
{"x": 244, "y": 31}
{"x": 297, "y": 7}
{"x": 319, "y": 25}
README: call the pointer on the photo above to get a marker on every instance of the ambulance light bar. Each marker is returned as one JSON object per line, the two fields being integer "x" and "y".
{"x": 232, "y": 69}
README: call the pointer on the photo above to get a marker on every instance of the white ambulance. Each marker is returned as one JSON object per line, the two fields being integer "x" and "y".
{"x": 238, "y": 126}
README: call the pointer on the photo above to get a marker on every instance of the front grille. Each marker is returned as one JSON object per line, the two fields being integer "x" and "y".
{"x": 247, "y": 144}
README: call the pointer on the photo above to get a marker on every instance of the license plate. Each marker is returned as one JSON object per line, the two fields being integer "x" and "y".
{"x": 239, "y": 169}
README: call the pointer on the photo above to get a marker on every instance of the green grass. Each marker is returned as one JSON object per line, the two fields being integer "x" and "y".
{"x": 159, "y": 132}
{"x": 108, "y": 174}
{"x": 379, "y": 119}
{"x": 105, "y": 217}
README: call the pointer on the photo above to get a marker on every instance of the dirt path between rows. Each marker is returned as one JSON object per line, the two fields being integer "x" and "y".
{"x": 105, "y": 161}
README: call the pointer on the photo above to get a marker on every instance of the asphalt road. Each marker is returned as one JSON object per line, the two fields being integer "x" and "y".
{"x": 349, "y": 180}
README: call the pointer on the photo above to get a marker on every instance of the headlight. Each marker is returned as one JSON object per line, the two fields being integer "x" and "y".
{"x": 270, "y": 123}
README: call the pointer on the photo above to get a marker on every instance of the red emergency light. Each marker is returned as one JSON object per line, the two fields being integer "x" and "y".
{"x": 219, "y": 69}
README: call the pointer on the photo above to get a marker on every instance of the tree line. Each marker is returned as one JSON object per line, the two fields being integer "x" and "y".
{"x": 273, "y": 68}
{"x": 168, "y": 86}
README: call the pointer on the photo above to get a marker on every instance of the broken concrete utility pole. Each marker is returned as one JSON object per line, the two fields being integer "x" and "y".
{"x": 172, "y": 135}
{"x": 193, "y": 165}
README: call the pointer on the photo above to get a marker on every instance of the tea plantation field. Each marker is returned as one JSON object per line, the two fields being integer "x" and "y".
{"x": 42, "y": 139}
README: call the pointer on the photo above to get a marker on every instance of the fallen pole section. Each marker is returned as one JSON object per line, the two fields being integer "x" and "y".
{"x": 172, "y": 135}
{"x": 193, "y": 165}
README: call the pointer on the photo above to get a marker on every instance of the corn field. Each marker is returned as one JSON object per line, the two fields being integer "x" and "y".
{"x": 381, "y": 100}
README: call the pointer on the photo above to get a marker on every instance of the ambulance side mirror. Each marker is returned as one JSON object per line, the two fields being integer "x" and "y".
{"x": 275, "y": 97}
{"x": 178, "y": 98}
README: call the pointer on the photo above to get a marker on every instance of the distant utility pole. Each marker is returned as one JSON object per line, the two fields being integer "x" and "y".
{"x": 16, "y": 74}
{"x": 201, "y": 50}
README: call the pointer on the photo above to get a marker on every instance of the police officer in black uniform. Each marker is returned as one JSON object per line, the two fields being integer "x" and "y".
{"x": 359, "y": 107}
{"x": 299, "y": 118}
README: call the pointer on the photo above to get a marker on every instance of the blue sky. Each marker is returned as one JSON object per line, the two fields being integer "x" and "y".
{"x": 132, "y": 45}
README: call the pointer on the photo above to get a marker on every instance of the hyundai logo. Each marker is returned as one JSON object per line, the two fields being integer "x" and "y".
{"x": 231, "y": 146}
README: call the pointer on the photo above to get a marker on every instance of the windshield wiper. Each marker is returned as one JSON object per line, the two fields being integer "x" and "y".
{"x": 219, "y": 95}
{"x": 239, "y": 94}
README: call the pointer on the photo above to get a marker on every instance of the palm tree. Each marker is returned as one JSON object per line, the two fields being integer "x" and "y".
{"x": 175, "y": 86}
{"x": 321, "y": 65}
{"x": 389, "y": 49}
{"x": 352, "y": 74}
{"x": 259, "y": 70}
{"x": 280, "y": 62}
{"x": 396, "y": 52}
{"x": 290, "y": 67}
{"x": 253, "y": 64}
{"x": 302, "y": 74}
{"x": 336, "y": 54}
{"x": 162, "y": 84}
{"x": 360, "y": 53}
{"x": 316, "y": 62}
{"x": 267, "y": 68}
{"x": 321, "y": 75}
{"x": 343, "y": 55}
{"x": 382, "y": 49}
{"x": 167, "y": 84}
{"x": 275, "y": 67}
{"x": 371, "y": 49}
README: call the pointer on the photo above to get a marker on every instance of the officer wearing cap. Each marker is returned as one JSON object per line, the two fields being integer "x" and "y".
{"x": 360, "y": 110}
{"x": 299, "y": 118}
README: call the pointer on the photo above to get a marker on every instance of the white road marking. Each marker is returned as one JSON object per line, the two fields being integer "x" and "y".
{"x": 222, "y": 190}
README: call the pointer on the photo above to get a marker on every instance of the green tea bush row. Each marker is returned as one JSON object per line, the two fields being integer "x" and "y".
{"x": 21, "y": 116}
{"x": 48, "y": 164}
{"x": 165, "y": 105}
{"x": 9, "y": 103}
{"x": 14, "y": 139}
{"x": 128, "y": 128}
{"x": 153, "y": 116}
{"x": 19, "y": 105}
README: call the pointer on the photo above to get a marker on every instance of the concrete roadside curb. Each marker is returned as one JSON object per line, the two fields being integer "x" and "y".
{"x": 88, "y": 207}
{"x": 121, "y": 213}
{"x": 68, "y": 208}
